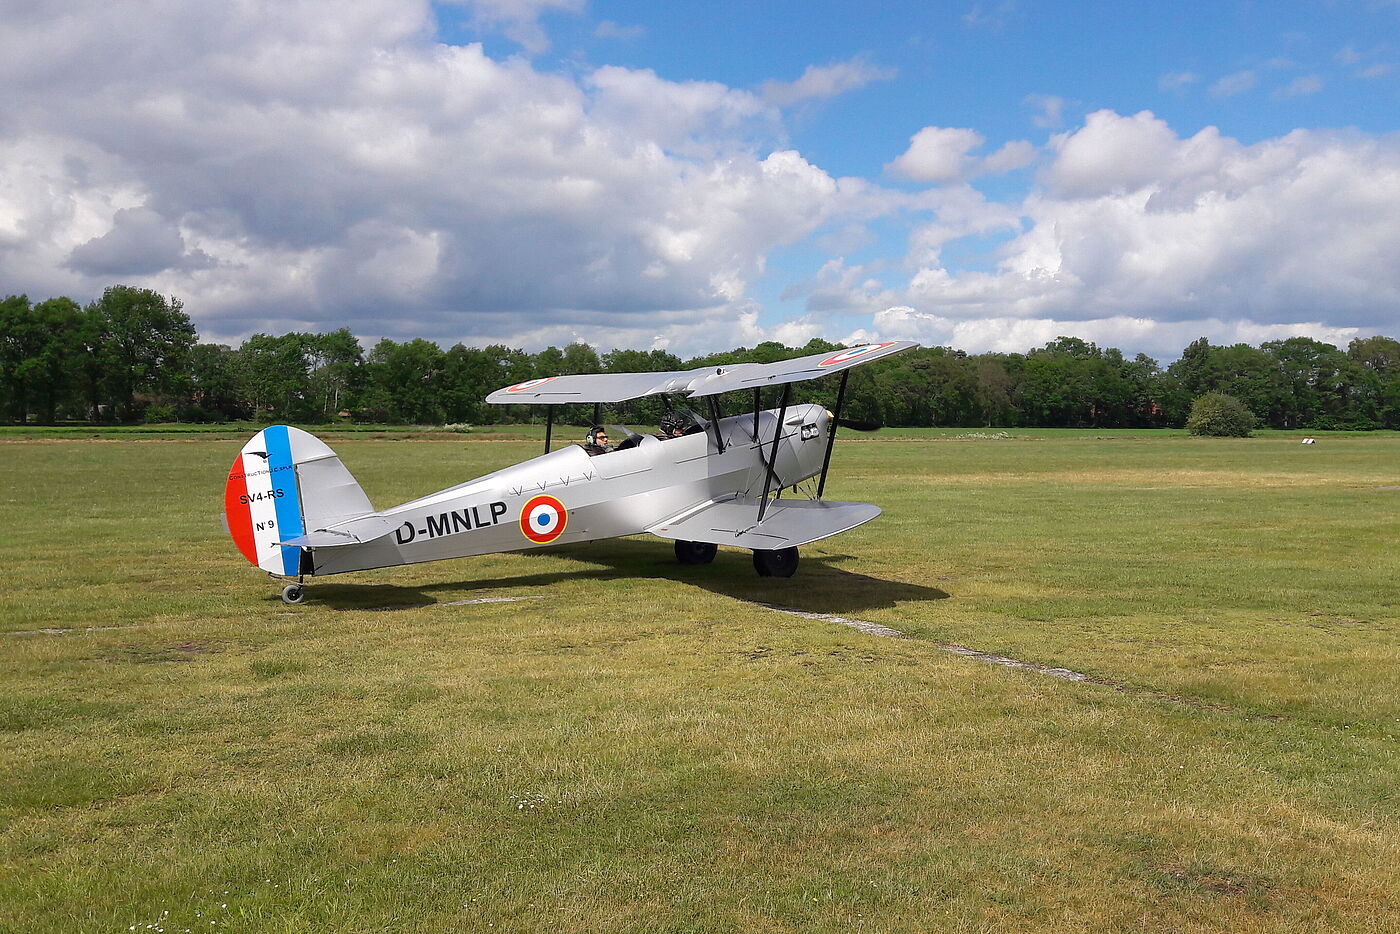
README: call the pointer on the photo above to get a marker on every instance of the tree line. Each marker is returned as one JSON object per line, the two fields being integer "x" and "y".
{"x": 134, "y": 355}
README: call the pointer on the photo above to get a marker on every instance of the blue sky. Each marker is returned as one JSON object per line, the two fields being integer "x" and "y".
{"x": 981, "y": 64}
{"x": 985, "y": 173}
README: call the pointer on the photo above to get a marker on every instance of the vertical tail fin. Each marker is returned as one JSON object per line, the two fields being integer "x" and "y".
{"x": 284, "y": 483}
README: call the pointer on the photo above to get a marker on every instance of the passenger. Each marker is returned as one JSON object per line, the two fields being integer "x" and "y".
{"x": 596, "y": 441}
{"x": 674, "y": 425}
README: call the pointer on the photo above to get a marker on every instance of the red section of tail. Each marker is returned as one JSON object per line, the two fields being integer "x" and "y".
{"x": 240, "y": 517}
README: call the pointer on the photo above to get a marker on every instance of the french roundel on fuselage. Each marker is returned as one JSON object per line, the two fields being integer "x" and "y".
{"x": 543, "y": 519}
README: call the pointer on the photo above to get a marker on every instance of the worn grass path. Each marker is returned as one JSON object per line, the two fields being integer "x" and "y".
{"x": 645, "y": 749}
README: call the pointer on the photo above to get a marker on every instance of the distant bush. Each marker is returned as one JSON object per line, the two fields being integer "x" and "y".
{"x": 1331, "y": 423}
{"x": 196, "y": 414}
{"x": 372, "y": 415}
{"x": 1220, "y": 416}
{"x": 161, "y": 413}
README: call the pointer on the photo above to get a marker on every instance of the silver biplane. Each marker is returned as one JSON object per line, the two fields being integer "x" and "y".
{"x": 295, "y": 511}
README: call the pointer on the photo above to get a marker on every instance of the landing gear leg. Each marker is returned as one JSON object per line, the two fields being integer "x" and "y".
{"x": 293, "y": 594}
{"x": 695, "y": 552}
{"x": 781, "y": 562}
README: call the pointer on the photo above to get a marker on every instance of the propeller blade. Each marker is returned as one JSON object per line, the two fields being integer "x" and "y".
{"x": 857, "y": 425}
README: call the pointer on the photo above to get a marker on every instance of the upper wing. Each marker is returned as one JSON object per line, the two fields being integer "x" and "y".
{"x": 591, "y": 387}
{"x": 812, "y": 366}
{"x": 705, "y": 381}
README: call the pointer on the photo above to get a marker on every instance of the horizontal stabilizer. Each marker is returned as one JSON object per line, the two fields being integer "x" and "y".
{"x": 786, "y": 523}
{"x": 355, "y": 532}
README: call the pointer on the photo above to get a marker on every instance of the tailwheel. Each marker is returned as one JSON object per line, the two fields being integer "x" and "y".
{"x": 781, "y": 562}
{"x": 293, "y": 593}
{"x": 695, "y": 552}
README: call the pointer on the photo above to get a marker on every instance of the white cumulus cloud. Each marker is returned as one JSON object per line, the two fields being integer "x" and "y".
{"x": 308, "y": 165}
{"x": 1233, "y": 84}
{"x": 1176, "y": 80}
{"x": 818, "y": 82}
{"x": 937, "y": 154}
{"x": 519, "y": 20}
{"x": 298, "y": 167}
{"x": 608, "y": 29}
{"x": 1300, "y": 87}
{"x": 1139, "y": 235}
{"x": 1016, "y": 335}
{"x": 1050, "y": 110}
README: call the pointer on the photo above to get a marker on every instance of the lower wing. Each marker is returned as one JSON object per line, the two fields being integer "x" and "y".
{"x": 786, "y": 523}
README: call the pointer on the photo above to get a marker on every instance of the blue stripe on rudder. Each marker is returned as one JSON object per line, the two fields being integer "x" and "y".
{"x": 288, "y": 504}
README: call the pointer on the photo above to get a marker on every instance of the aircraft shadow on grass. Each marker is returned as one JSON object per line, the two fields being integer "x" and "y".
{"x": 820, "y": 585}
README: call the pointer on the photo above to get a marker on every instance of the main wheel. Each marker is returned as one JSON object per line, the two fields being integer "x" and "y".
{"x": 293, "y": 593}
{"x": 779, "y": 563}
{"x": 695, "y": 552}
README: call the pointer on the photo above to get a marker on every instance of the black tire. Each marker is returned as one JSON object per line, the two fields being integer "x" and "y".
{"x": 293, "y": 594}
{"x": 695, "y": 552}
{"x": 779, "y": 563}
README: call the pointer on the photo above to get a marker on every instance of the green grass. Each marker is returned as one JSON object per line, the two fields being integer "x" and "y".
{"x": 645, "y": 749}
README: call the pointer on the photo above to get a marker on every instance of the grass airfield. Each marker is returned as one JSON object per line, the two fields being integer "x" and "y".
{"x": 640, "y": 746}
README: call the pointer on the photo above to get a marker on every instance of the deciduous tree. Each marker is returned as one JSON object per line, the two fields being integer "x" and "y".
{"x": 147, "y": 340}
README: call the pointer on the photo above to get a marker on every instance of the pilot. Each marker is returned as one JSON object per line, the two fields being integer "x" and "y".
{"x": 596, "y": 441}
{"x": 673, "y": 425}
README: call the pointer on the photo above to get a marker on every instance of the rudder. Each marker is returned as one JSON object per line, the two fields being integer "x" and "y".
{"x": 284, "y": 483}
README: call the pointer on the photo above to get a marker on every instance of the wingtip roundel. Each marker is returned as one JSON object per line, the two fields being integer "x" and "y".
{"x": 855, "y": 353}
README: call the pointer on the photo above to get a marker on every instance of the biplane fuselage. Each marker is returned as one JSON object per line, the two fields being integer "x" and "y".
{"x": 620, "y": 493}
{"x": 295, "y": 511}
